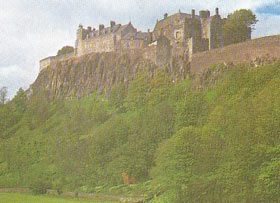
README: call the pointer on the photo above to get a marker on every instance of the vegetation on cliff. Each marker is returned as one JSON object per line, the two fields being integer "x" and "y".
{"x": 218, "y": 143}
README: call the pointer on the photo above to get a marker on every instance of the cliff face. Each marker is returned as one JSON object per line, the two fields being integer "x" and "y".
{"x": 79, "y": 77}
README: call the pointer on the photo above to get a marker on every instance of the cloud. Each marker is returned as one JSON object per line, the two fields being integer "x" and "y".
{"x": 33, "y": 29}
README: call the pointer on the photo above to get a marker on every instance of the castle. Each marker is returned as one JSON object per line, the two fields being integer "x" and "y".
{"x": 180, "y": 34}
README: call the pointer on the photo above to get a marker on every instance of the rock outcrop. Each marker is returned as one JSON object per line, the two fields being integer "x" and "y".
{"x": 78, "y": 77}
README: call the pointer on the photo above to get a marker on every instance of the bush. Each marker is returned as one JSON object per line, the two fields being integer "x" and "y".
{"x": 58, "y": 185}
{"x": 39, "y": 187}
{"x": 65, "y": 50}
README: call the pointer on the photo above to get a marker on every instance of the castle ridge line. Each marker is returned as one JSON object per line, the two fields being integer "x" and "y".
{"x": 180, "y": 34}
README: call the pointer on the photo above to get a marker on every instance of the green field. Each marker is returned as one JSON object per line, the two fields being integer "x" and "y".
{"x": 28, "y": 198}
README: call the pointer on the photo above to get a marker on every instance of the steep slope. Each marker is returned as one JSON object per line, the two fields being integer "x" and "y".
{"x": 215, "y": 144}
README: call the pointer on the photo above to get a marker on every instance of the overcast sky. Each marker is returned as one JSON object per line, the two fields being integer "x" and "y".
{"x": 33, "y": 29}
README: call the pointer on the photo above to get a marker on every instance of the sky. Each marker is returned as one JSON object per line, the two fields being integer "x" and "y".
{"x": 34, "y": 29}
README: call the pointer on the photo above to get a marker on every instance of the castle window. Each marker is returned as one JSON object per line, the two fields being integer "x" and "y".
{"x": 177, "y": 34}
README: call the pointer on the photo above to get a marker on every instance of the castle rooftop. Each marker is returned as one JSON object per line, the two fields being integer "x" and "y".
{"x": 114, "y": 28}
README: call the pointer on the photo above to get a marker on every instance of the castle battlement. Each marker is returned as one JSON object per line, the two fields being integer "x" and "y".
{"x": 178, "y": 34}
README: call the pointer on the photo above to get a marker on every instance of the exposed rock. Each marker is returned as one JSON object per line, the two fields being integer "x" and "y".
{"x": 81, "y": 76}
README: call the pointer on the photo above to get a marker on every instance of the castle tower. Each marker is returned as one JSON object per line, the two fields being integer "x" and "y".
{"x": 211, "y": 30}
{"x": 80, "y": 33}
{"x": 195, "y": 34}
{"x": 216, "y": 38}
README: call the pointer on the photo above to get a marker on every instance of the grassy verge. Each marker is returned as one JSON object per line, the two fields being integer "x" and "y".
{"x": 28, "y": 198}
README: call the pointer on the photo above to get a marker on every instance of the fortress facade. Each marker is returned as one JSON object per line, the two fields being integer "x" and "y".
{"x": 180, "y": 34}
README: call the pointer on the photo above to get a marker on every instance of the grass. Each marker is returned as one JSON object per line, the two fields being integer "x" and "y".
{"x": 28, "y": 198}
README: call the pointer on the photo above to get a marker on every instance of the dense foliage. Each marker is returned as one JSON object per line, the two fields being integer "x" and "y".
{"x": 219, "y": 144}
{"x": 238, "y": 26}
{"x": 65, "y": 50}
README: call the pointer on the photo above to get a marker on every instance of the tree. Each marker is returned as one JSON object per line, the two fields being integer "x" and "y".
{"x": 237, "y": 27}
{"x": 65, "y": 50}
{"x": 3, "y": 94}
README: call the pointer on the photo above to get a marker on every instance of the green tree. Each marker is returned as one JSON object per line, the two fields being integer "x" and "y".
{"x": 238, "y": 26}
{"x": 65, "y": 50}
{"x": 3, "y": 95}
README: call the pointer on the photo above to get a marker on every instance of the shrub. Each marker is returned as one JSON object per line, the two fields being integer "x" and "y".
{"x": 65, "y": 50}
{"x": 39, "y": 187}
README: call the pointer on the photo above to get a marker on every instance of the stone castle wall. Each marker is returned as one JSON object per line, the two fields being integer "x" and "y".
{"x": 103, "y": 43}
{"x": 149, "y": 53}
{"x": 237, "y": 53}
{"x": 103, "y": 40}
{"x": 195, "y": 38}
{"x": 133, "y": 44}
{"x": 46, "y": 62}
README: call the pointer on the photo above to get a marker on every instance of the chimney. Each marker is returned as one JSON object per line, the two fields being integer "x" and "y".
{"x": 149, "y": 30}
{"x": 193, "y": 13}
{"x": 165, "y": 15}
{"x": 80, "y": 26}
{"x": 89, "y": 28}
{"x": 112, "y": 23}
{"x": 217, "y": 11}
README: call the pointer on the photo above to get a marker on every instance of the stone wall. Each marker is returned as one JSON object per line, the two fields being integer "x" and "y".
{"x": 149, "y": 53}
{"x": 46, "y": 62}
{"x": 237, "y": 53}
{"x": 163, "y": 50}
{"x": 133, "y": 44}
{"x": 103, "y": 43}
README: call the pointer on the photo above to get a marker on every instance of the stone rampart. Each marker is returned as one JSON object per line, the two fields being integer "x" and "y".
{"x": 237, "y": 53}
{"x": 44, "y": 63}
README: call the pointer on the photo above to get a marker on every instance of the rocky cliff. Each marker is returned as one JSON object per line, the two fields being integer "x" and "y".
{"x": 79, "y": 77}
